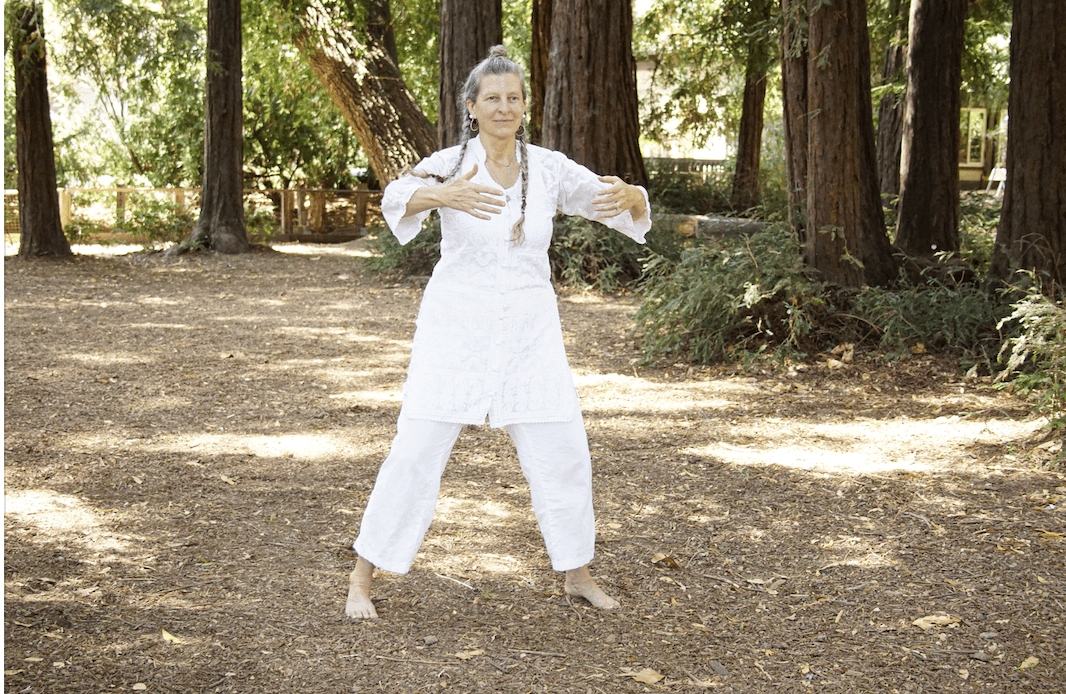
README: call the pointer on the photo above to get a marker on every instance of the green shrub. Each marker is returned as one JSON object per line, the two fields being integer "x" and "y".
{"x": 978, "y": 219}
{"x": 417, "y": 258}
{"x": 154, "y": 223}
{"x": 677, "y": 192}
{"x": 936, "y": 315}
{"x": 743, "y": 294}
{"x": 1036, "y": 355}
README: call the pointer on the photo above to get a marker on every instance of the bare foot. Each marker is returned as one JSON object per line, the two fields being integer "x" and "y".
{"x": 359, "y": 605}
{"x": 580, "y": 583}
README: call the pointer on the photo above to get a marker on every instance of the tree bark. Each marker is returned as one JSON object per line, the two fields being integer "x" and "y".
{"x": 749, "y": 143}
{"x": 39, "y": 224}
{"x": 795, "y": 115}
{"x": 1032, "y": 225}
{"x": 929, "y": 187}
{"x": 367, "y": 87}
{"x": 541, "y": 29}
{"x": 890, "y": 113}
{"x": 468, "y": 29}
{"x": 846, "y": 239}
{"x": 221, "y": 223}
{"x": 590, "y": 109}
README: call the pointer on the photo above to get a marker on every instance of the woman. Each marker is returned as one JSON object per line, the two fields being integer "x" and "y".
{"x": 488, "y": 340}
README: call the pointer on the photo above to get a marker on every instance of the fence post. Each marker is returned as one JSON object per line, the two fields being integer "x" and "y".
{"x": 65, "y": 207}
{"x": 179, "y": 200}
{"x": 362, "y": 200}
{"x": 286, "y": 211}
{"x": 301, "y": 211}
{"x": 120, "y": 207}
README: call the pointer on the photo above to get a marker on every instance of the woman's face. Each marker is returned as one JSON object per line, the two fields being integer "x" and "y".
{"x": 500, "y": 105}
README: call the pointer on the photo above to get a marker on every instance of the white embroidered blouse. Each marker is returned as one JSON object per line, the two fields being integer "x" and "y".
{"x": 488, "y": 339}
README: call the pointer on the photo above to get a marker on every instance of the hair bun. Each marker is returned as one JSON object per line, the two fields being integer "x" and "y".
{"x": 498, "y": 52}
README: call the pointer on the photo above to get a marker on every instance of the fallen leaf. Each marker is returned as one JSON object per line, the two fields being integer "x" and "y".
{"x": 33, "y": 660}
{"x": 140, "y": 687}
{"x": 665, "y": 560}
{"x": 1031, "y": 661}
{"x": 647, "y": 675}
{"x": 227, "y": 480}
{"x": 167, "y": 636}
{"x": 467, "y": 655}
{"x": 918, "y": 348}
{"x": 927, "y": 623}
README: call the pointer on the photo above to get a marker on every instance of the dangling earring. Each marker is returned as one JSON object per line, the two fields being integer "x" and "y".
{"x": 521, "y": 132}
{"x": 473, "y": 124}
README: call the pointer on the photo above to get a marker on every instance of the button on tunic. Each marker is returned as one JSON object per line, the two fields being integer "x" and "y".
{"x": 488, "y": 341}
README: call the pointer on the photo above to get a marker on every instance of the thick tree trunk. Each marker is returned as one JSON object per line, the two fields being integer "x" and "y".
{"x": 890, "y": 113}
{"x": 749, "y": 143}
{"x": 590, "y": 109}
{"x": 929, "y": 187}
{"x": 366, "y": 85}
{"x": 541, "y": 27}
{"x": 221, "y": 224}
{"x": 746, "y": 188}
{"x": 468, "y": 29}
{"x": 795, "y": 110}
{"x": 39, "y": 226}
{"x": 846, "y": 239}
{"x": 1032, "y": 225}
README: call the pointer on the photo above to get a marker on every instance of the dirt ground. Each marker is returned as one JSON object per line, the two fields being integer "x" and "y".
{"x": 189, "y": 446}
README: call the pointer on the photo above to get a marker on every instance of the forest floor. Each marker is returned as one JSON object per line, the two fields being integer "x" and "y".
{"x": 189, "y": 446}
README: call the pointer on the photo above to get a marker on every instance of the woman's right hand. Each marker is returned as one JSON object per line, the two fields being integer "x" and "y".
{"x": 461, "y": 194}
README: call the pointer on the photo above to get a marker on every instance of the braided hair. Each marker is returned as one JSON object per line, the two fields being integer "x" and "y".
{"x": 496, "y": 64}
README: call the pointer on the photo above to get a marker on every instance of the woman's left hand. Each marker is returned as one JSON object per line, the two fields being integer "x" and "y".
{"x": 618, "y": 197}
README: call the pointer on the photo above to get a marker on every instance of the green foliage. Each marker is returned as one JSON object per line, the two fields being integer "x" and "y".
{"x": 588, "y": 254}
{"x": 154, "y": 223}
{"x": 1036, "y": 354}
{"x": 935, "y": 315}
{"x": 293, "y": 132}
{"x": 978, "y": 219}
{"x": 137, "y": 69}
{"x": 415, "y": 259}
{"x": 673, "y": 191}
{"x": 742, "y": 293}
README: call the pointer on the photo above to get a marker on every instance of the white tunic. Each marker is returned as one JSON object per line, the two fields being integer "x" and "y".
{"x": 488, "y": 339}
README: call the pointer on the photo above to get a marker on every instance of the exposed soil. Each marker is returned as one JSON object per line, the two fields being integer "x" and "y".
{"x": 189, "y": 446}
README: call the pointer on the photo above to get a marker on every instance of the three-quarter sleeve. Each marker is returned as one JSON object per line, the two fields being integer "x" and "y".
{"x": 398, "y": 193}
{"x": 578, "y": 186}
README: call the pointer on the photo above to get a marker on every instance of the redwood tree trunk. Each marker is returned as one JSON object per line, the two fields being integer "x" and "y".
{"x": 39, "y": 225}
{"x": 468, "y": 29}
{"x": 795, "y": 110}
{"x": 846, "y": 239}
{"x": 367, "y": 87}
{"x": 929, "y": 186}
{"x": 541, "y": 28}
{"x": 749, "y": 143}
{"x": 221, "y": 224}
{"x": 890, "y": 112}
{"x": 590, "y": 109}
{"x": 1032, "y": 225}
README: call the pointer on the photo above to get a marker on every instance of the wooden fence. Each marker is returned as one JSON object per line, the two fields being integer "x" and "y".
{"x": 300, "y": 214}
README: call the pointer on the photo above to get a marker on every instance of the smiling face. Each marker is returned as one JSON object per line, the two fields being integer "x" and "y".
{"x": 499, "y": 106}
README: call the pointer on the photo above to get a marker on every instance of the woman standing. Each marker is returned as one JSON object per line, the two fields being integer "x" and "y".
{"x": 488, "y": 340}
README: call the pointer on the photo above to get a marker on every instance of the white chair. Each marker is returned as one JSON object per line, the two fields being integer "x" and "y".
{"x": 998, "y": 174}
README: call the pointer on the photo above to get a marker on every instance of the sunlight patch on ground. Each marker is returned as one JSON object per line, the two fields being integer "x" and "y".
{"x": 61, "y": 518}
{"x": 358, "y": 247}
{"x": 610, "y": 392}
{"x": 103, "y": 359}
{"x": 866, "y": 446}
{"x": 305, "y": 447}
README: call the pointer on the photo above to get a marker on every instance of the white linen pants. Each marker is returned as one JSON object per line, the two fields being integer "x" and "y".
{"x": 554, "y": 458}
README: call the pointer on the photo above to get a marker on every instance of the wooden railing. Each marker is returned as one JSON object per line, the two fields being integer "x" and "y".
{"x": 302, "y": 213}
